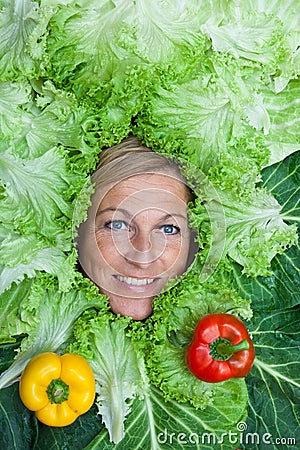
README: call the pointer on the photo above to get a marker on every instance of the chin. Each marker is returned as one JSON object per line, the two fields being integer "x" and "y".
{"x": 137, "y": 309}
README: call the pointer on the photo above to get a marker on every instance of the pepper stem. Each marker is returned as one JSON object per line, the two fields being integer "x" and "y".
{"x": 58, "y": 391}
{"x": 221, "y": 349}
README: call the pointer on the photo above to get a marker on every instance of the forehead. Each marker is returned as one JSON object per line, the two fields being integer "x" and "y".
{"x": 155, "y": 190}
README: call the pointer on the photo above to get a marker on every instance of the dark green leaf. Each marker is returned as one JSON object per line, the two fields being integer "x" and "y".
{"x": 8, "y": 353}
{"x": 283, "y": 181}
{"x": 280, "y": 290}
{"x": 74, "y": 437}
{"x": 274, "y": 382}
{"x": 18, "y": 426}
{"x": 157, "y": 424}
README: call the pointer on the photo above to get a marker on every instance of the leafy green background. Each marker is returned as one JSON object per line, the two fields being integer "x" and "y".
{"x": 196, "y": 91}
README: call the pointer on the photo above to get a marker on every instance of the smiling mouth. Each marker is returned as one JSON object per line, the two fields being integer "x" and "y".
{"x": 135, "y": 281}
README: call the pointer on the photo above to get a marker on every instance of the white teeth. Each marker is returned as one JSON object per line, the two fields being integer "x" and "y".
{"x": 135, "y": 281}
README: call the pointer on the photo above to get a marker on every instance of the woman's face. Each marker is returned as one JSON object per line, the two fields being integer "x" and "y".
{"x": 139, "y": 241}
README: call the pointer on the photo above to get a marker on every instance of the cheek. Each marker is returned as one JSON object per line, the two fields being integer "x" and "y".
{"x": 175, "y": 257}
{"x": 109, "y": 251}
{"x": 105, "y": 245}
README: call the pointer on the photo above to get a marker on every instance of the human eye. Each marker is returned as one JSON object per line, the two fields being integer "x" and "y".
{"x": 116, "y": 225}
{"x": 170, "y": 229}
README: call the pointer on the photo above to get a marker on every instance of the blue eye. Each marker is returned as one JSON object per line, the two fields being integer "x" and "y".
{"x": 170, "y": 229}
{"x": 116, "y": 225}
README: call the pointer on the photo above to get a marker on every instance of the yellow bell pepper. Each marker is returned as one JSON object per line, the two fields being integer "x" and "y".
{"x": 58, "y": 388}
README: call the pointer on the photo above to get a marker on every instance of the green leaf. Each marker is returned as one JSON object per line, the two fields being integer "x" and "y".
{"x": 85, "y": 45}
{"x": 274, "y": 382}
{"x": 8, "y": 352}
{"x": 12, "y": 96}
{"x": 173, "y": 29}
{"x": 258, "y": 31}
{"x": 30, "y": 184}
{"x": 11, "y": 323}
{"x": 17, "y": 22}
{"x": 283, "y": 181}
{"x": 284, "y": 133}
{"x": 75, "y": 436}
{"x": 118, "y": 369}
{"x": 246, "y": 34}
{"x": 17, "y": 424}
{"x": 278, "y": 291}
{"x": 256, "y": 231}
{"x": 24, "y": 256}
{"x": 155, "y": 423}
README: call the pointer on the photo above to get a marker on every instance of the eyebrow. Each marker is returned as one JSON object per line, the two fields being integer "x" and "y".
{"x": 169, "y": 216}
{"x": 127, "y": 213}
{"x": 124, "y": 211}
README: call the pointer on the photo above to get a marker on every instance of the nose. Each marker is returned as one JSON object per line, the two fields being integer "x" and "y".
{"x": 143, "y": 249}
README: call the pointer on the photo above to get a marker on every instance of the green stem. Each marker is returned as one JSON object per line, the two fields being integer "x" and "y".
{"x": 222, "y": 349}
{"x": 58, "y": 391}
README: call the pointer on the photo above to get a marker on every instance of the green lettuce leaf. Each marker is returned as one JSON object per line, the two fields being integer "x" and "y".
{"x": 263, "y": 32}
{"x": 23, "y": 255}
{"x": 224, "y": 111}
{"x": 256, "y": 231}
{"x": 47, "y": 137}
{"x": 283, "y": 137}
{"x": 18, "y": 21}
{"x": 85, "y": 45}
{"x": 205, "y": 113}
{"x": 143, "y": 34}
{"x": 167, "y": 32}
{"x": 11, "y": 323}
{"x": 29, "y": 185}
{"x": 12, "y": 96}
{"x": 48, "y": 316}
{"x": 118, "y": 369}
{"x": 36, "y": 116}
{"x": 247, "y": 34}
{"x": 247, "y": 220}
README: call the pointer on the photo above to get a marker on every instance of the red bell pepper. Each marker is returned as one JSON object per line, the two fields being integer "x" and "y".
{"x": 221, "y": 348}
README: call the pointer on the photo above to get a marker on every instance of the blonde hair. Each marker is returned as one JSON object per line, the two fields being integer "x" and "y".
{"x": 131, "y": 158}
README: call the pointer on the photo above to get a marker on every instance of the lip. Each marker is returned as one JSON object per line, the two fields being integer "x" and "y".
{"x": 136, "y": 284}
